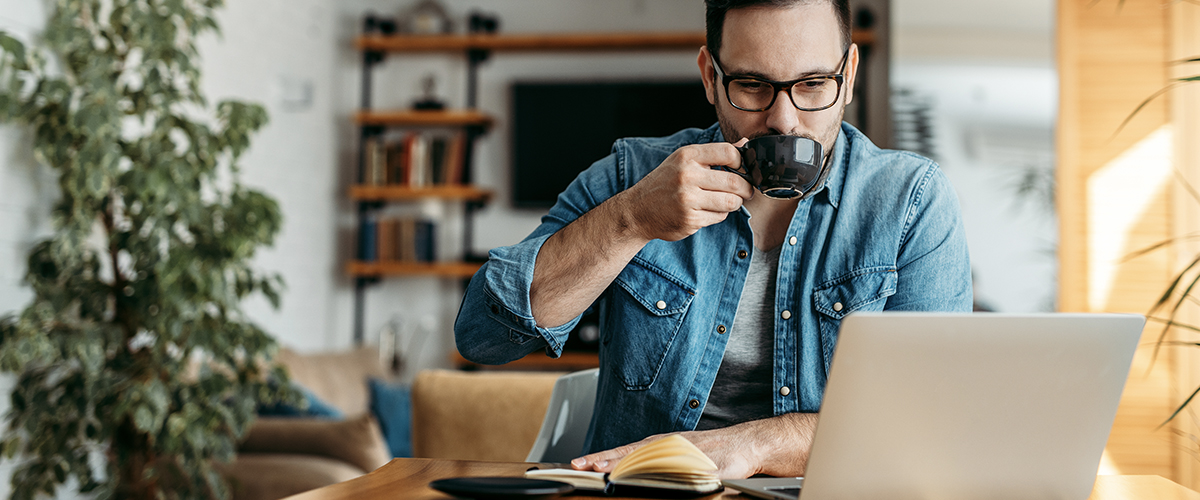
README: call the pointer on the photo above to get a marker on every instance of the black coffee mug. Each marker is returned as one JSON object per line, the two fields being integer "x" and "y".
{"x": 782, "y": 166}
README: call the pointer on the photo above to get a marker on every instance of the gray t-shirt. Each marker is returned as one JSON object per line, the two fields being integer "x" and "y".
{"x": 743, "y": 388}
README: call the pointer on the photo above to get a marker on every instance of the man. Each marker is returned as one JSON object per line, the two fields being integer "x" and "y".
{"x": 719, "y": 306}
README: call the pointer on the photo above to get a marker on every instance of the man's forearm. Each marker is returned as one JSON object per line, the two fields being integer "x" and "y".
{"x": 777, "y": 446}
{"x": 575, "y": 265}
{"x": 783, "y": 443}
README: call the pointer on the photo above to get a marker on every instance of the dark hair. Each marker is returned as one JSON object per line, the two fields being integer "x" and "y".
{"x": 714, "y": 18}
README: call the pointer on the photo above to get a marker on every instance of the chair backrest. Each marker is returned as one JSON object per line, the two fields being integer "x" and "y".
{"x": 567, "y": 418}
{"x": 483, "y": 415}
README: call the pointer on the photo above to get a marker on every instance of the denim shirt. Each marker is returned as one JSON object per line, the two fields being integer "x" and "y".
{"x": 885, "y": 233}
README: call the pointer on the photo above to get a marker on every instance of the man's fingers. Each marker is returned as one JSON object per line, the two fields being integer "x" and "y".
{"x": 603, "y": 461}
{"x": 726, "y": 182}
{"x": 712, "y": 154}
{"x": 720, "y": 154}
{"x": 721, "y": 202}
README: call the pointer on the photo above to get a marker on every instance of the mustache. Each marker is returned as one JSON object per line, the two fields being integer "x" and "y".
{"x": 804, "y": 135}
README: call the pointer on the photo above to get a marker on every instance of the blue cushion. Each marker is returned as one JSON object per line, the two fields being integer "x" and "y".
{"x": 313, "y": 407}
{"x": 392, "y": 406}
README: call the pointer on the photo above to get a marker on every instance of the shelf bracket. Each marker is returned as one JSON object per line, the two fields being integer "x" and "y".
{"x": 475, "y": 57}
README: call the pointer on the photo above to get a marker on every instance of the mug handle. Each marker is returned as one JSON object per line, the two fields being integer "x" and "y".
{"x": 737, "y": 172}
{"x": 740, "y": 171}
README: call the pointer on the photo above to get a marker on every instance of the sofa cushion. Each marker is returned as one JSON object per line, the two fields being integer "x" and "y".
{"x": 391, "y": 404}
{"x": 356, "y": 441}
{"x": 338, "y": 378}
{"x": 478, "y": 415}
{"x": 313, "y": 407}
{"x": 261, "y": 476}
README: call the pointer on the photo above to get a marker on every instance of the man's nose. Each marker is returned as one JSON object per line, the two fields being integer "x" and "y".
{"x": 783, "y": 116}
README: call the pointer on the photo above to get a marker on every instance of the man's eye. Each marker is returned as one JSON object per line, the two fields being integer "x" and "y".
{"x": 812, "y": 85}
{"x": 749, "y": 85}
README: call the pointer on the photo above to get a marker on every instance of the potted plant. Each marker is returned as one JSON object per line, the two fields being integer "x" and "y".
{"x": 136, "y": 369}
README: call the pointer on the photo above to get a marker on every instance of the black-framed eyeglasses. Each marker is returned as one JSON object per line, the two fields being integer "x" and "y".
{"x": 811, "y": 93}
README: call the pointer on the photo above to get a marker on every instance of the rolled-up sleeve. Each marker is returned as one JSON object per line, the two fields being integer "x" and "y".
{"x": 495, "y": 323}
{"x": 933, "y": 264}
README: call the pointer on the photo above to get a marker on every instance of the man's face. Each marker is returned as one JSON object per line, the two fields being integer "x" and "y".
{"x": 780, "y": 44}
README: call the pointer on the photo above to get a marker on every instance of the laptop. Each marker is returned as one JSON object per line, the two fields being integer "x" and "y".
{"x": 964, "y": 406}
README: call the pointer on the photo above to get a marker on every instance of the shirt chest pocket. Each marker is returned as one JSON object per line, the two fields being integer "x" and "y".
{"x": 862, "y": 290}
{"x": 642, "y": 317}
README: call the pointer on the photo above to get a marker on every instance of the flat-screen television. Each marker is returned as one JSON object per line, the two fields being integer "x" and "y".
{"x": 561, "y": 128}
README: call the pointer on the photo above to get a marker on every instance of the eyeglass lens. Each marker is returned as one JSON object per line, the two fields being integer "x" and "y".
{"x": 756, "y": 95}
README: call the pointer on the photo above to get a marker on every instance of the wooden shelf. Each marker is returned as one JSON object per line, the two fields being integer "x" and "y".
{"x": 359, "y": 268}
{"x": 545, "y": 42}
{"x": 400, "y": 192}
{"x": 569, "y": 361}
{"x": 447, "y": 118}
{"x": 531, "y": 42}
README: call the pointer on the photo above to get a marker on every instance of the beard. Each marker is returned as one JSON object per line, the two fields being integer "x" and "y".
{"x": 826, "y": 137}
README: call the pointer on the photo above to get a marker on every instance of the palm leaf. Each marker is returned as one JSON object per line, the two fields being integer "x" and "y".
{"x": 1166, "y": 297}
{"x": 1178, "y": 82}
{"x": 1152, "y": 97}
{"x": 1183, "y": 297}
{"x": 1187, "y": 185}
{"x": 1179, "y": 343}
{"x": 1175, "y": 324}
{"x": 1167, "y": 242}
{"x": 1181, "y": 407}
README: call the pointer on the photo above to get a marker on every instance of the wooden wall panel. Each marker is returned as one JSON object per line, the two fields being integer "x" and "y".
{"x": 1110, "y": 59}
{"x": 1184, "y": 108}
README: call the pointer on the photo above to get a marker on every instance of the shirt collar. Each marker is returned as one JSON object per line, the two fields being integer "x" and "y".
{"x": 837, "y": 163}
{"x": 837, "y": 166}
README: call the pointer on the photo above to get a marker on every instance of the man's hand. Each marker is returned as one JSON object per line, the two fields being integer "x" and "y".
{"x": 728, "y": 450}
{"x": 777, "y": 446}
{"x": 685, "y": 193}
{"x": 682, "y": 195}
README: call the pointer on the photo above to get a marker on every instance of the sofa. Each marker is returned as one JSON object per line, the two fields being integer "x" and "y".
{"x": 282, "y": 456}
{"x": 481, "y": 415}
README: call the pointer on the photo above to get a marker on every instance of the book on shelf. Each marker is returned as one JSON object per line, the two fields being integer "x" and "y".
{"x": 374, "y": 160}
{"x": 667, "y": 467}
{"x": 416, "y": 159}
{"x": 398, "y": 239}
{"x": 367, "y": 245}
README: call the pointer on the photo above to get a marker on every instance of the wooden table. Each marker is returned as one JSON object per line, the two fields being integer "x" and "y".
{"x": 408, "y": 478}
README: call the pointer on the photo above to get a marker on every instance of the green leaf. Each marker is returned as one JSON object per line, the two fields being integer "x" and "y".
{"x": 16, "y": 48}
{"x": 143, "y": 418}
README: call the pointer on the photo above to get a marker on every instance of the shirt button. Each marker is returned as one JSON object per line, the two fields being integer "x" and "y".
{"x": 837, "y": 306}
{"x": 742, "y": 254}
{"x": 661, "y": 304}
{"x": 784, "y": 391}
{"x": 786, "y": 315}
{"x": 720, "y": 328}
{"x": 695, "y": 403}
{"x": 792, "y": 240}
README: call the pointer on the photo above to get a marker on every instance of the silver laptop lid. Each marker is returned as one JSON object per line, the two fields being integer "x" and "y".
{"x": 969, "y": 406}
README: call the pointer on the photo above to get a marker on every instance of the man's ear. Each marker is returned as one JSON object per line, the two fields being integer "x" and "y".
{"x": 708, "y": 74}
{"x": 851, "y": 71}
